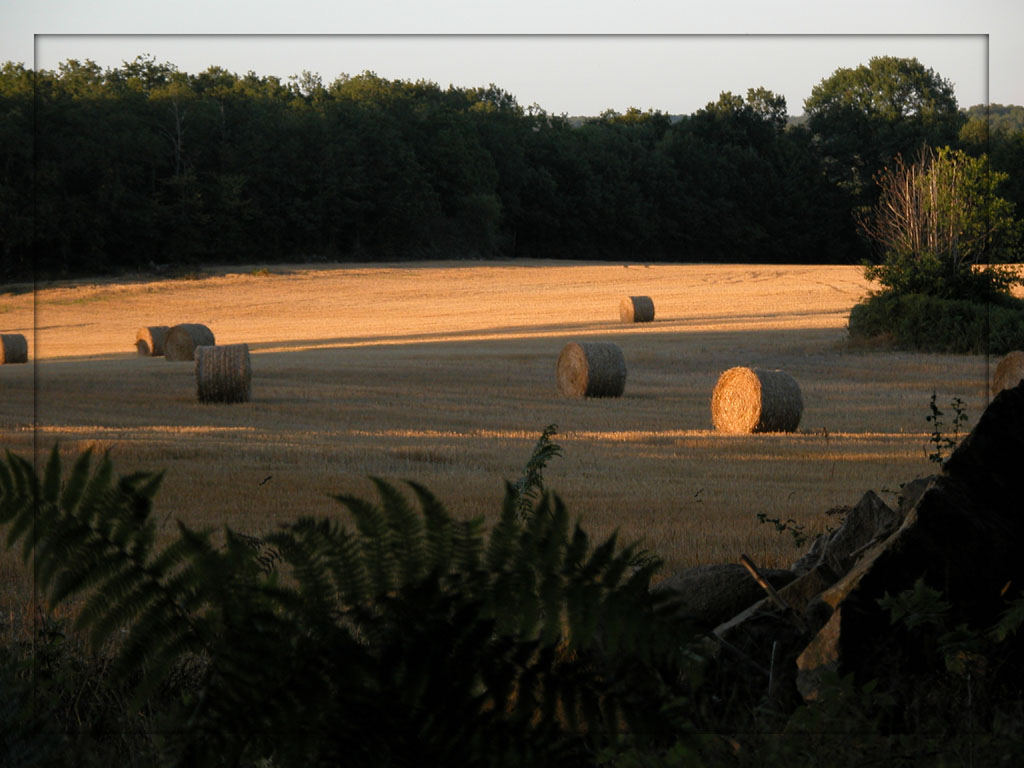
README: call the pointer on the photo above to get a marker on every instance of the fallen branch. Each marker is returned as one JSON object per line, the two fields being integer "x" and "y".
{"x": 772, "y": 594}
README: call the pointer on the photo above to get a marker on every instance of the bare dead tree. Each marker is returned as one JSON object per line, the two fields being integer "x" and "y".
{"x": 938, "y": 215}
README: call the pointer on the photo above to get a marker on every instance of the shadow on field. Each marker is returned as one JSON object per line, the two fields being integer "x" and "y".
{"x": 490, "y": 335}
{"x": 673, "y": 371}
{"x": 671, "y": 375}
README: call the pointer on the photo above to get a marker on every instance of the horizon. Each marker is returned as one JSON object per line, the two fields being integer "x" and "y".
{"x": 573, "y": 75}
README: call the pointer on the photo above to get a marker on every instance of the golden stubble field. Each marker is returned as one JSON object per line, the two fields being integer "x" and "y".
{"x": 444, "y": 373}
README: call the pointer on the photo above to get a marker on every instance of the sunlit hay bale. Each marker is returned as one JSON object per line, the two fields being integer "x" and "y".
{"x": 181, "y": 341}
{"x": 591, "y": 369}
{"x": 1009, "y": 372}
{"x": 749, "y": 400}
{"x": 149, "y": 341}
{"x": 636, "y": 309}
{"x": 13, "y": 348}
{"x": 223, "y": 373}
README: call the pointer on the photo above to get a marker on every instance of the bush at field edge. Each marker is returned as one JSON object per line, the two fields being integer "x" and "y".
{"x": 932, "y": 324}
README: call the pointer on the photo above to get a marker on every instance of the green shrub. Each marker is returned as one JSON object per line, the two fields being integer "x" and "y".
{"x": 936, "y": 219}
{"x": 932, "y": 324}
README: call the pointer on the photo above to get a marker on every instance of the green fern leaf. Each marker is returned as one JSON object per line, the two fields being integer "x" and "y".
{"x": 51, "y": 478}
{"x": 1009, "y": 622}
{"x": 378, "y": 556}
{"x": 530, "y": 486}
{"x": 307, "y": 561}
{"x": 438, "y": 531}
{"x": 20, "y": 508}
{"x": 341, "y": 557}
{"x": 75, "y": 484}
{"x": 468, "y": 544}
{"x": 405, "y": 532}
{"x": 85, "y": 568}
{"x": 503, "y": 537}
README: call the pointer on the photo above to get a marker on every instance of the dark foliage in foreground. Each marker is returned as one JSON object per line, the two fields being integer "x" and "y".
{"x": 417, "y": 639}
{"x": 413, "y": 639}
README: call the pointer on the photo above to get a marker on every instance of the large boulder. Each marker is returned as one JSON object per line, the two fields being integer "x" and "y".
{"x": 871, "y": 520}
{"x": 962, "y": 537}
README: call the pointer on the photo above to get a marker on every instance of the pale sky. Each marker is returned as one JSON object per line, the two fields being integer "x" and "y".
{"x": 577, "y": 59}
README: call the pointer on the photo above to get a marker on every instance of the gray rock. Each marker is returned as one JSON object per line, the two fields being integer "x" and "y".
{"x": 871, "y": 520}
{"x": 963, "y": 536}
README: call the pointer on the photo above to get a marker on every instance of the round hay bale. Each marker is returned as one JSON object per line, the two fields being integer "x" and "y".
{"x": 1009, "y": 372}
{"x": 749, "y": 400}
{"x": 636, "y": 309}
{"x": 591, "y": 369}
{"x": 149, "y": 341}
{"x": 223, "y": 373}
{"x": 181, "y": 341}
{"x": 13, "y": 348}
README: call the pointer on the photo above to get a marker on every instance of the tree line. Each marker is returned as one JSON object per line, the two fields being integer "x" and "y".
{"x": 145, "y": 165}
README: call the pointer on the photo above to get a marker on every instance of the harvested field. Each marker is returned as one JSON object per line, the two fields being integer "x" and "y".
{"x": 445, "y": 373}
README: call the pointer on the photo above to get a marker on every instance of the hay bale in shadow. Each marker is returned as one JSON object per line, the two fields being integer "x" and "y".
{"x": 149, "y": 341}
{"x": 747, "y": 400}
{"x": 223, "y": 373}
{"x": 181, "y": 341}
{"x": 591, "y": 369}
{"x": 1009, "y": 372}
{"x": 636, "y": 309}
{"x": 13, "y": 348}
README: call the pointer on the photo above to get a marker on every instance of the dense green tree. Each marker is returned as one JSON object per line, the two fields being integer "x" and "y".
{"x": 999, "y": 117}
{"x": 16, "y": 148}
{"x": 998, "y": 131}
{"x": 146, "y": 164}
{"x": 747, "y": 188}
{"x": 862, "y": 117}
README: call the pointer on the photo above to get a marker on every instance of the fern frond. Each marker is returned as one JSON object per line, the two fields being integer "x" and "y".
{"x": 19, "y": 507}
{"x": 309, "y": 564}
{"x": 405, "y": 532}
{"x": 340, "y": 557}
{"x": 600, "y": 559}
{"x": 530, "y": 485}
{"x": 51, "y": 478}
{"x": 503, "y": 537}
{"x": 576, "y": 549}
{"x": 98, "y": 499}
{"x": 468, "y": 544}
{"x": 1010, "y": 621}
{"x": 437, "y": 531}
{"x": 76, "y": 482}
{"x": 86, "y": 568}
{"x": 376, "y": 550}
{"x": 124, "y": 596}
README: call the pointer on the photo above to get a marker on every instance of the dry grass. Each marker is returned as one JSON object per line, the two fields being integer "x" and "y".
{"x": 445, "y": 373}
